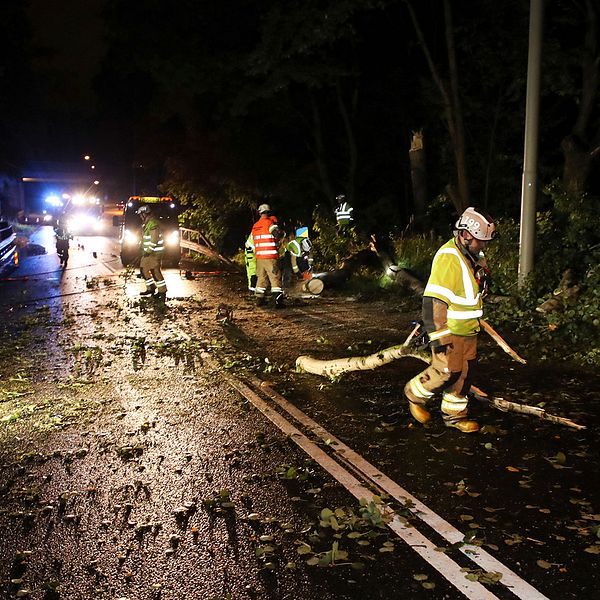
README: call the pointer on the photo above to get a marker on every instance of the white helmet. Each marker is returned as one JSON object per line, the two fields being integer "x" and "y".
{"x": 478, "y": 223}
{"x": 143, "y": 210}
{"x": 264, "y": 208}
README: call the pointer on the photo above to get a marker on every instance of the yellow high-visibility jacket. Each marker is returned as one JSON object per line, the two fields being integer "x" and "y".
{"x": 152, "y": 239}
{"x": 452, "y": 281}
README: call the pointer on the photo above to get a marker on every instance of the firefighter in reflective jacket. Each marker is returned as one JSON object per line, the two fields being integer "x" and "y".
{"x": 152, "y": 253}
{"x": 62, "y": 244}
{"x": 250, "y": 260}
{"x": 343, "y": 212}
{"x": 299, "y": 251}
{"x": 452, "y": 306}
{"x": 265, "y": 235}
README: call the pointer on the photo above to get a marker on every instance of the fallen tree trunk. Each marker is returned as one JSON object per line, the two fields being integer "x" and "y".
{"x": 337, "y": 277}
{"x": 338, "y": 366}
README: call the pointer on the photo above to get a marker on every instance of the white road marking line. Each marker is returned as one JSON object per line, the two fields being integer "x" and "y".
{"x": 450, "y": 570}
{"x": 518, "y": 586}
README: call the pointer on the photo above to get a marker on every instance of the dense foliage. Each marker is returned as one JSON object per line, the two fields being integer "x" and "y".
{"x": 567, "y": 270}
{"x": 298, "y": 102}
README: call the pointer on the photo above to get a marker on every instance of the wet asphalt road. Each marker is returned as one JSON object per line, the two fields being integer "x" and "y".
{"x": 527, "y": 490}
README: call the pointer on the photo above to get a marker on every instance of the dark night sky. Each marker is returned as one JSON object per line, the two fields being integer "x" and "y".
{"x": 70, "y": 36}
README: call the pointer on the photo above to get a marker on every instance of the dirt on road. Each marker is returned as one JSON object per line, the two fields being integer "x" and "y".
{"x": 132, "y": 469}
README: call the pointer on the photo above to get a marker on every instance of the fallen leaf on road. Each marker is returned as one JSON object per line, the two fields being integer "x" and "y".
{"x": 544, "y": 564}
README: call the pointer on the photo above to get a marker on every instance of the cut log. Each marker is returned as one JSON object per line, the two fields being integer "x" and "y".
{"x": 312, "y": 286}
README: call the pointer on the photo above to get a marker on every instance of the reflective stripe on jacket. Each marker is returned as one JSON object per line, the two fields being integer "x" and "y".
{"x": 343, "y": 213}
{"x": 294, "y": 247}
{"x": 452, "y": 281}
{"x": 152, "y": 239}
{"x": 265, "y": 246}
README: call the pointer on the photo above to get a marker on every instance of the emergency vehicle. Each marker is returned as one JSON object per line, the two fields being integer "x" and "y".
{"x": 166, "y": 210}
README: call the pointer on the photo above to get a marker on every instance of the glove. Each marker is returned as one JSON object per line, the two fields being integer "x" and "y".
{"x": 421, "y": 339}
{"x": 306, "y": 275}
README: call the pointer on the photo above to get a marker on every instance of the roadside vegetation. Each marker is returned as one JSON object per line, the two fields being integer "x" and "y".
{"x": 555, "y": 315}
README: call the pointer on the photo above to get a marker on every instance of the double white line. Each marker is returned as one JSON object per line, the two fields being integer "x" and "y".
{"x": 450, "y": 570}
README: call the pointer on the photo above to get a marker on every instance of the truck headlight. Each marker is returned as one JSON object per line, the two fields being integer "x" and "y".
{"x": 130, "y": 238}
{"x": 172, "y": 238}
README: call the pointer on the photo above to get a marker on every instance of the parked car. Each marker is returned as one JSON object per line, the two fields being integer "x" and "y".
{"x": 9, "y": 257}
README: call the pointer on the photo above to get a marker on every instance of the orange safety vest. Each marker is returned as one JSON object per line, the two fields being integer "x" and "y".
{"x": 265, "y": 245}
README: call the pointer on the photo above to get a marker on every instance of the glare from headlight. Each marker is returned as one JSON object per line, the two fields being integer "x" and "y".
{"x": 98, "y": 225}
{"x": 130, "y": 238}
{"x": 47, "y": 218}
{"x": 173, "y": 238}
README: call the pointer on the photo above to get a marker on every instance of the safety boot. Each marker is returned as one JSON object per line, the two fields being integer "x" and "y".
{"x": 419, "y": 413}
{"x": 260, "y": 300}
{"x": 279, "y": 301}
{"x": 161, "y": 297}
{"x": 464, "y": 425}
{"x": 417, "y": 409}
{"x": 149, "y": 292}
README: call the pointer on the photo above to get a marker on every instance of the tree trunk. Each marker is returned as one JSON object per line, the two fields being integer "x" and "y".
{"x": 577, "y": 152}
{"x": 418, "y": 175}
{"x": 319, "y": 152}
{"x": 578, "y": 162}
{"x": 456, "y": 117}
{"x": 460, "y": 193}
{"x": 347, "y": 119}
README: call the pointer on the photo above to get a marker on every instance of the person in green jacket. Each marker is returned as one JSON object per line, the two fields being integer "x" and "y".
{"x": 250, "y": 260}
{"x": 299, "y": 252}
{"x": 452, "y": 307}
{"x": 152, "y": 252}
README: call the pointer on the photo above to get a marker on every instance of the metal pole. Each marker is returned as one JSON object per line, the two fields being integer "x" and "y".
{"x": 530, "y": 159}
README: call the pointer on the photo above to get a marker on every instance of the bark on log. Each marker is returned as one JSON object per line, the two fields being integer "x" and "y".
{"x": 338, "y": 366}
{"x": 407, "y": 279}
{"x": 312, "y": 286}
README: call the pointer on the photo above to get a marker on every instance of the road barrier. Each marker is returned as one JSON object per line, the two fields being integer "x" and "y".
{"x": 194, "y": 241}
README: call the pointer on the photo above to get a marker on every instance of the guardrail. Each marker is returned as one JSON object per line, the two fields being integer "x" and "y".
{"x": 194, "y": 241}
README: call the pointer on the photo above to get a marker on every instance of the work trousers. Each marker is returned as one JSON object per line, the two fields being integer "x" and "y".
{"x": 450, "y": 374}
{"x": 268, "y": 272}
{"x": 150, "y": 268}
